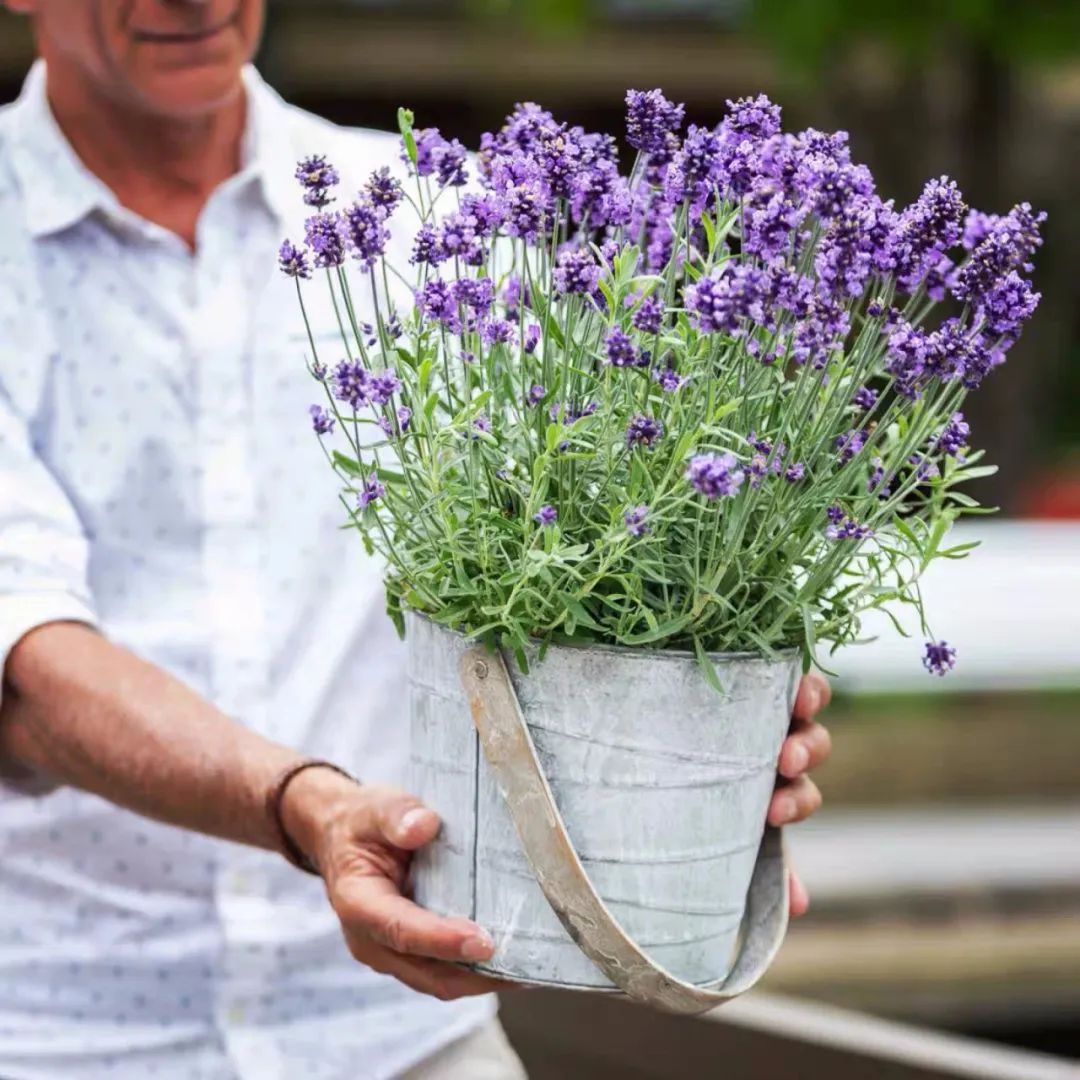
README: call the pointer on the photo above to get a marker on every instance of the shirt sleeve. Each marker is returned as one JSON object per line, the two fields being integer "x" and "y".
{"x": 43, "y": 549}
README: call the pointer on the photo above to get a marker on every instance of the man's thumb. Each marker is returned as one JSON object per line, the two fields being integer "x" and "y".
{"x": 405, "y": 822}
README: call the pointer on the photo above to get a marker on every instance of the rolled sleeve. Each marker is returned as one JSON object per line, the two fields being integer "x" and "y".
{"x": 43, "y": 548}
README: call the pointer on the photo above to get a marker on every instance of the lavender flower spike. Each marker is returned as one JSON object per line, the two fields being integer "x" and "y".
{"x": 635, "y": 522}
{"x": 546, "y": 516}
{"x": 940, "y": 657}
{"x": 321, "y": 421}
{"x": 715, "y": 475}
{"x": 316, "y": 176}
{"x": 293, "y": 261}
{"x": 372, "y": 490}
{"x": 650, "y": 119}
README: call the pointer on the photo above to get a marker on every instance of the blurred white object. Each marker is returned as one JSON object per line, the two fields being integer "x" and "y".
{"x": 1011, "y": 609}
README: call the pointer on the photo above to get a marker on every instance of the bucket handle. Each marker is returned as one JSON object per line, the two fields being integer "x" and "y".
{"x": 511, "y": 754}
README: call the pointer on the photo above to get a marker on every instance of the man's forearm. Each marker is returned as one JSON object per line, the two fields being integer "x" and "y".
{"x": 93, "y": 715}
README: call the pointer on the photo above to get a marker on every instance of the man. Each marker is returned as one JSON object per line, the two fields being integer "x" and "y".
{"x": 171, "y": 559}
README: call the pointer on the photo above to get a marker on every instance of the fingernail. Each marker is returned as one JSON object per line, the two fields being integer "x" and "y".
{"x": 411, "y": 818}
{"x": 477, "y": 947}
{"x": 799, "y": 757}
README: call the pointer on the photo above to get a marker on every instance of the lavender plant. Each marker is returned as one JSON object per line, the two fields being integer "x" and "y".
{"x": 715, "y": 403}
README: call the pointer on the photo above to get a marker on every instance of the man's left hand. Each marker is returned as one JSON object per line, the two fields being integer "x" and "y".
{"x": 807, "y": 746}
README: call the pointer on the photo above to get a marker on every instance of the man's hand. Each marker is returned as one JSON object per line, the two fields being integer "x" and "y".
{"x": 362, "y": 838}
{"x": 807, "y": 746}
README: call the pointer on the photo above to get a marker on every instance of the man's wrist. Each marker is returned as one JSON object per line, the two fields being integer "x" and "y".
{"x": 313, "y": 801}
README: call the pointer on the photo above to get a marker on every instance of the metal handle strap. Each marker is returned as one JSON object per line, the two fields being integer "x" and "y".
{"x": 512, "y": 756}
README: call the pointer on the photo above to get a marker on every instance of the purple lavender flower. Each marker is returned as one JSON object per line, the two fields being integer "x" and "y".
{"x": 925, "y": 231}
{"x": 650, "y": 119}
{"x": 715, "y": 475}
{"x": 293, "y": 261}
{"x": 325, "y": 237}
{"x": 429, "y": 144}
{"x": 532, "y": 338}
{"x": 940, "y": 657}
{"x": 695, "y": 172}
{"x": 669, "y": 380}
{"x": 486, "y": 213}
{"x": 1009, "y": 244}
{"x": 850, "y": 444}
{"x": 576, "y": 271}
{"x": 820, "y": 333}
{"x": 954, "y": 437}
{"x": 600, "y": 196}
{"x": 319, "y": 371}
{"x": 459, "y": 238}
{"x": 321, "y": 420}
{"x": 794, "y": 473}
{"x": 316, "y": 176}
{"x": 404, "y": 418}
{"x": 755, "y": 117}
{"x": 536, "y": 394}
{"x": 635, "y": 521}
{"x": 757, "y": 470}
{"x": 436, "y": 301}
{"x": 482, "y": 422}
{"x": 351, "y": 383}
{"x": 953, "y": 352}
{"x": 571, "y": 413}
{"x": 1008, "y": 305}
{"x": 852, "y": 246}
{"x": 526, "y": 210}
{"x": 497, "y": 332}
{"x": 844, "y": 527}
{"x": 908, "y": 350}
{"x": 372, "y": 490}
{"x": 876, "y": 484}
{"x": 382, "y": 386}
{"x": 621, "y": 352}
{"x": 649, "y": 314}
{"x": 643, "y": 431}
{"x": 547, "y": 515}
{"x": 723, "y": 302}
{"x": 925, "y": 468}
{"x": 383, "y": 191}
{"x": 450, "y": 161}
{"x": 366, "y": 232}
{"x": 865, "y": 398}
{"x": 427, "y": 247}
{"x": 475, "y": 293}
{"x": 515, "y": 294}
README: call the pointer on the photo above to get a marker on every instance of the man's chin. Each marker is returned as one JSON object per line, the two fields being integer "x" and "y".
{"x": 189, "y": 92}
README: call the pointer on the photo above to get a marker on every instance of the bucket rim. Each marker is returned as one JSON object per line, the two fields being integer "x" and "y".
{"x": 784, "y": 655}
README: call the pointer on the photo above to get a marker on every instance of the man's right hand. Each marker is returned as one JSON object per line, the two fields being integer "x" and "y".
{"x": 362, "y": 839}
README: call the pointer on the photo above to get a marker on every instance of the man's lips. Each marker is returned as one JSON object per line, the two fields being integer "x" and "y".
{"x": 184, "y": 37}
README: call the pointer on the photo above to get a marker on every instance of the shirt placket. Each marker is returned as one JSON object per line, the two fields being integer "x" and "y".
{"x": 235, "y": 611}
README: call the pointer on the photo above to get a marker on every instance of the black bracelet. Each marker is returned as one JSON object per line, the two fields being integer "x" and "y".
{"x": 274, "y": 798}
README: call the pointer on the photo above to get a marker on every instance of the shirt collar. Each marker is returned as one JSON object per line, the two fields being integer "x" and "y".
{"x": 59, "y": 190}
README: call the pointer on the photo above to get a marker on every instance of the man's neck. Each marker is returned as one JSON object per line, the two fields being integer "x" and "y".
{"x": 163, "y": 169}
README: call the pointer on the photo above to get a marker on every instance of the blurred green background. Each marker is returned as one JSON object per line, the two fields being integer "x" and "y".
{"x": 987, "y": 91}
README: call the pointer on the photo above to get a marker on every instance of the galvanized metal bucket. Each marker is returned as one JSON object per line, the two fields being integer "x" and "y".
{"x": 604, "y": 815}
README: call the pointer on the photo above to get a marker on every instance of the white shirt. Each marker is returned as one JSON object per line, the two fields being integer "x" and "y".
{"x": 159, "y": 479}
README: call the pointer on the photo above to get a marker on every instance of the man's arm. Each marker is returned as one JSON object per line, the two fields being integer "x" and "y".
{"x": 93, "y": 715}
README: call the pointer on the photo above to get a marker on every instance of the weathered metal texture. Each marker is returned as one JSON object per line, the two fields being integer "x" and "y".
{"x": 663, "y": 786}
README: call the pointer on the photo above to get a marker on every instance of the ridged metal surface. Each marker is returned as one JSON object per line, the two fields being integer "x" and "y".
{"x": 662, "y": 782}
